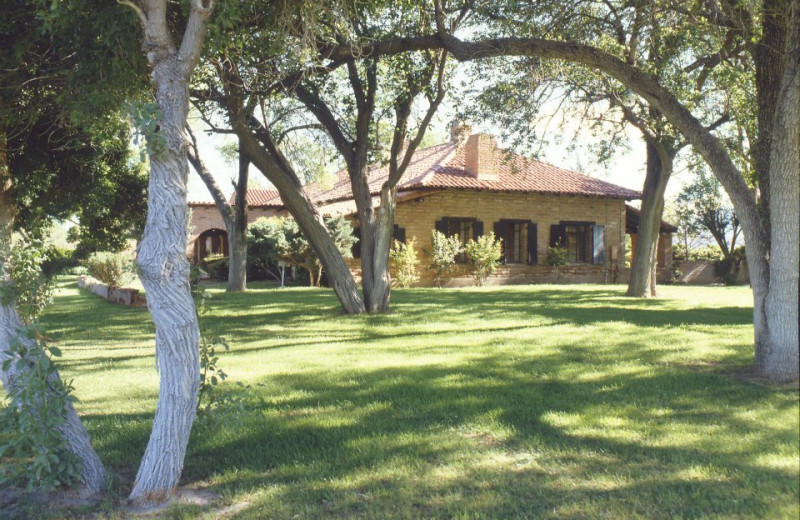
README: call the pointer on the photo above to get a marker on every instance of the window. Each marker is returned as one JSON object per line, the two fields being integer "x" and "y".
{"x": 465, "y": 229}
{"x": 579, "y": 243}
{"x": 398, "y": 234}
{"x": 512, "y": 234}
{"x": 584, "y": 241}
{"x": 512, "y": 240}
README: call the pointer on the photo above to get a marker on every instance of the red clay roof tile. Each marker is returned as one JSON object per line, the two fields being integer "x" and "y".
{"x": 442, "y": 167}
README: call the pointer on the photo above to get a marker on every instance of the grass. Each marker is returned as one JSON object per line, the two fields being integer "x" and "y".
{"x": 513, "y": 402}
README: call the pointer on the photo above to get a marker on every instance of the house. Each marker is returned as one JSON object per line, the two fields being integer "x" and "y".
{"x": 470, "y": 187}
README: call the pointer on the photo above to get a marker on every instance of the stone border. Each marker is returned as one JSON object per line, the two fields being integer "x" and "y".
{"x": 121, "y": 295}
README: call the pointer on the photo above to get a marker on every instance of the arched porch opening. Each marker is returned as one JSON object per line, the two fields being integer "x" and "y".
{"x": 211, "y": 242}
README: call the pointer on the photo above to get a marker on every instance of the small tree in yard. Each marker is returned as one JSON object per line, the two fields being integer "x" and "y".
{"x": 484, "y": 256}
{"x": 110, "y": 268}
{"x": 278, "y": 238}
{"x": 404, "y": 262}
{"x": 557, "y": 256}
{"x": 444, "y": 251}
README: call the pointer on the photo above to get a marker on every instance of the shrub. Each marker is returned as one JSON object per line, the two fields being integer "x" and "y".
{"x": 277, "y": 238}
{"x": 443, "y": 255}
{"x": 217, "y": 266}
{"x": 33, "y": 450}
{"x": 110, "y": 268}
{"x": 557, "y": 256}
{"x": 484, "y": 256}
{"x": 58, "y": 261}
{"x": 404, "y": 262}
{"x": 25, "y": 283}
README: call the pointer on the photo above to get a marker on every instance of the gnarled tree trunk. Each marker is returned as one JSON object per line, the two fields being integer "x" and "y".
{"x": 264, "y": 154}
{"x": 643, "y": 282}
{"x": 237, "y": 237}
{"x": 781, "y": 342}
{"x": 163, "y": 266}
{"x": 93, "y": 474}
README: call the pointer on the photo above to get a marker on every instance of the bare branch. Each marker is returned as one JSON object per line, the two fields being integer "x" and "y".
{"x": 195, "y": 33}
{"x": 136, "y": 9}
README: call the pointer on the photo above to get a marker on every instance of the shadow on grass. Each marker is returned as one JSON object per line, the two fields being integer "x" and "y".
{"x": 564, "y": 432}
{"x": 517, "y": 445}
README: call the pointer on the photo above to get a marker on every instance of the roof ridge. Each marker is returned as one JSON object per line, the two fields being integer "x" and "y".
{"x": 432, "y": 170}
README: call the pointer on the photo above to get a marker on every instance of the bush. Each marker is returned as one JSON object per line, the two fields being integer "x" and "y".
{"x": 484, "y": 256}
{"x": 444, "y": 251}
{"x": 404, "y": 262}
{"x": 58, "y": 261}
{"x": 217, "y": 266}
{"x": 557, "y": 256}
{"x": 110, "y": 268}
{"x": 25, "y": 284}
{"x": 33, "y": 450}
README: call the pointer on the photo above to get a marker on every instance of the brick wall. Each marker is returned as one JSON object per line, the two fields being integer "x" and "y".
{"x": 419, "y": 216}
{"x": 208, "y": 217}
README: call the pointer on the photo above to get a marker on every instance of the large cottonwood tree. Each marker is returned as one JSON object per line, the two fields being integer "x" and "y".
{"x": 771, "y": 225}
{"x": 161, "y": 256}
{"x": 344, "y": 96}
{"x": 59, "y": 139}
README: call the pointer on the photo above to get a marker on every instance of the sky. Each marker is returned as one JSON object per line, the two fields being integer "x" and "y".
{"x": 626, "y": 168}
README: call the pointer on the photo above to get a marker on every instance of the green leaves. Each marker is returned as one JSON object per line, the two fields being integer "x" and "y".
{"x": 404, "y": 262}
{"x": 484, "y": 256}
{"x": 26, "y": 285}
{"x": 33, "y": 451}
{"x": 146, "y": 117}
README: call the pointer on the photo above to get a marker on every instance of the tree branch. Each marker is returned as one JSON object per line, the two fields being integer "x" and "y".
{"x": 195, "y": 33}
{"x": 311, "y": 99}
{"x": 136, "y": 9}
{"x": 199, "y": 166}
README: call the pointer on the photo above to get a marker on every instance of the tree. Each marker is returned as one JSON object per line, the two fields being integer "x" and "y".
{"x": 234, "y": 217}
{"x": 59, "y": 141}
{"x": 770, "y": 223}
{"x": 641, "y": 34}
{"x": 279, "y": 239}
{"x": 347, "y": 117}
{"x": 161, "y": 258}
{"x": 702, "y": 206}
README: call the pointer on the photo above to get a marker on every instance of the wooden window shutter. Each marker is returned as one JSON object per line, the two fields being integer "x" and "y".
{"x": 533, "y": 237}
{"x": 599, "y": 245}
{"x": 357, "y": 246}
{"x": 499, "y": 234}
{"x": 558, "y": 235}
{"x": 477, "y": 230}
{"x": 441, "y": 226}
{"x": 399, "y": 234}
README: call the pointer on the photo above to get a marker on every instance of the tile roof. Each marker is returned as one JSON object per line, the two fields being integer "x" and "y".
{"x": 260, "y": 197}
{"x": 442, "y": 167}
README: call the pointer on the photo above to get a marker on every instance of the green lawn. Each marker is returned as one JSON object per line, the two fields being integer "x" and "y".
{"x": 513, "y": 402}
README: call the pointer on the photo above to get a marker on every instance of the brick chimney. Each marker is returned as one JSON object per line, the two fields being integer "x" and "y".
{"x": 459, "y": 131}
{"x": 481, "y": 159}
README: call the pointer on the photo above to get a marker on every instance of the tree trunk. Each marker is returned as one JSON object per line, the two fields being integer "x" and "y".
{"x": 378, "y": 291}
{"x": 164, "y": 271}
{"x": 375, "y": 279}
{"x": 237, "y": 237}
{"x": 779, "y": 359}
{"x": 271, "y": 163}
{"x": 163, "y": 266}
{"x": 93, "y": 474}
{"x": 643, "y": 283}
